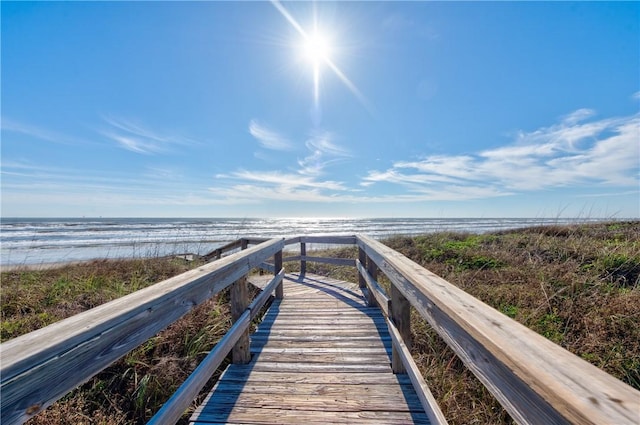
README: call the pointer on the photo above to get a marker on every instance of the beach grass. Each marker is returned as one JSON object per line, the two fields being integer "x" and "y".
{"x": 577, "y": 285}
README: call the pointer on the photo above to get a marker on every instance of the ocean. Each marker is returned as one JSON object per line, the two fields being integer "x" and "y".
{"x": 51, "y": 240}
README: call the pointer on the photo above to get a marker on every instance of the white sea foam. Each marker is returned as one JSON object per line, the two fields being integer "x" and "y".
{"x": 44, "y": 240}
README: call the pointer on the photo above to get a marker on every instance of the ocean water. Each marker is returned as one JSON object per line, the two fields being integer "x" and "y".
{"x": 51, "y": 240}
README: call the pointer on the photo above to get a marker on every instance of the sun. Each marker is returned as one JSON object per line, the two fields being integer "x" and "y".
{"x": 316, "y": 48}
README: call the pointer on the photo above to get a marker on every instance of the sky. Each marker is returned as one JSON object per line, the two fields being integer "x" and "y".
{"x": 301, "y": 109}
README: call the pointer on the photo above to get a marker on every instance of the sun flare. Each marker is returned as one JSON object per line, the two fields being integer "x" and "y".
{"x": 316, "y": 48}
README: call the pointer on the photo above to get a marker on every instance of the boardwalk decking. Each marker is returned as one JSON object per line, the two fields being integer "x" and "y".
{"x": 320, "y": 355}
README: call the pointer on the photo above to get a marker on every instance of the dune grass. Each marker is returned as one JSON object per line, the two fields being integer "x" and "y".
{"x": 134, "y": 388}
{"x": 578, "y": 286}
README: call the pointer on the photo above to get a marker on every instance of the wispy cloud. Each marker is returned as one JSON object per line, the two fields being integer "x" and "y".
{"x": 140, "y": 139}
{"x": 573, "y": 153}
{"x": 25, "y": 183}
{"x": 268, "y": 138}
{"x": 302, "y": 184}
{"x": 284, "y": 180}
{"x": 322, "y": 151}
{"x": 36, "y": 132}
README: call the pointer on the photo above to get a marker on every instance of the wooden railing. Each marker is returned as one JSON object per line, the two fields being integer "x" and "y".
{"x": 42, "y": 366}
{"x": 535, "y": 380}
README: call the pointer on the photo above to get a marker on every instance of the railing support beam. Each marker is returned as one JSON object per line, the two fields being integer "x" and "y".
{"x": 372, "y": 269}
{"x": 303, "y": 262}
{"x": 239, "y": 302}
{"x": 362, "y": 256}
{"x": 401, "y": 318}
{"x": 277, "y": 259}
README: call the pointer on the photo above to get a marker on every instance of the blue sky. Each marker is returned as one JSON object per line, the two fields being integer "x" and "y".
{"x": 411, "y": 109}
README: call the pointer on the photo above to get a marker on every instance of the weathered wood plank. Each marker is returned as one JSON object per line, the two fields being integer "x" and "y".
{"x": 323, "y": 260}
{"x": 343, "y": 402}
{"x": 292, "y": 241}
{"x": 313, "y": 357}
{"x": 326, "y": 348}
{"x": 240, "y": 415}
{"x": 329, "y": 240}
{"x": 262, "y": 298}
{"x": 277, "y": 261}
{"x": 338, "y": 367}
{"x": 321, "y": 332}
{"x": 88, "y": 342}
{"x": 534, "y": 379}
{"x": 328, "y": 312}
{"x": 397, "y": 392}
{"x": 267, "y": 266}
{"x": 370, "y": 339}
{"x": 303, "y": 262}
{"x": 247, "y": 373}
{"x": 325, "y": 321}
{"x": 239, "y": 302}
{"x": 375, "y": 289}
{"x": 173, "y": 409}
{"x": 428, "y": 401}
{"x": 401, "y": 318}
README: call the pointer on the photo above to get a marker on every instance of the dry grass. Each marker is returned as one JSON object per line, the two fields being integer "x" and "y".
{"x": 131, "y": 390}
{"x": 579, "y": 286}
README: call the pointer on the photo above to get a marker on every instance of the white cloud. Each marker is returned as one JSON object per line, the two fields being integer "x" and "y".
{"x": 636, "y": 95}
{"x": 268, "y": 138}
{"x": 579, "y": 115}
{"x": 573, "y": 153}
{"x": 283, "y": 180}
{"x": 323, "y": 151}
{"x": 137, "y": 138}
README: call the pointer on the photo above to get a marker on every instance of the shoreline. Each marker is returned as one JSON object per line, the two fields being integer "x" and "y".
{"x": 52, "y": 241}
{"x": 50, "y": 264}
{"x": 5, "y": 268}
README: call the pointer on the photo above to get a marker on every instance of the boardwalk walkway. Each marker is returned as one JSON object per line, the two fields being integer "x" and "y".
{"x": 320, "y": 355}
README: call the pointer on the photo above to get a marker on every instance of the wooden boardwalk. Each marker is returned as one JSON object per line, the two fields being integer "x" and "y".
{"x": 320, "y": 355}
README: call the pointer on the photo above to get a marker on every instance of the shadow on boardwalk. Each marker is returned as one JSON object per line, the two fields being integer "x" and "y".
{"x": 320, "y": 355}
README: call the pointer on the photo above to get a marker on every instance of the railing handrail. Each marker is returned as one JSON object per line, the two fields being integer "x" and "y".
{"x": 71, "y": 351}
{"x": 535, "y": 380}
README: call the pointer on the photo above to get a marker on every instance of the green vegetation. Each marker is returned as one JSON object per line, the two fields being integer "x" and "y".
{"x": 578, "y": 286}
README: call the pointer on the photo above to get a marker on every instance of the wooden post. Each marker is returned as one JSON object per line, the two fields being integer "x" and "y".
{"x": 401, "y": 317}
{"x": 362, "y": 256}
{"x": 372, "y": 269}
{"x": 244, "y": 243}
{"x": 277, "y": 259}
{"x": 303, "y": 263}
{"x": 239, "y": 302}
